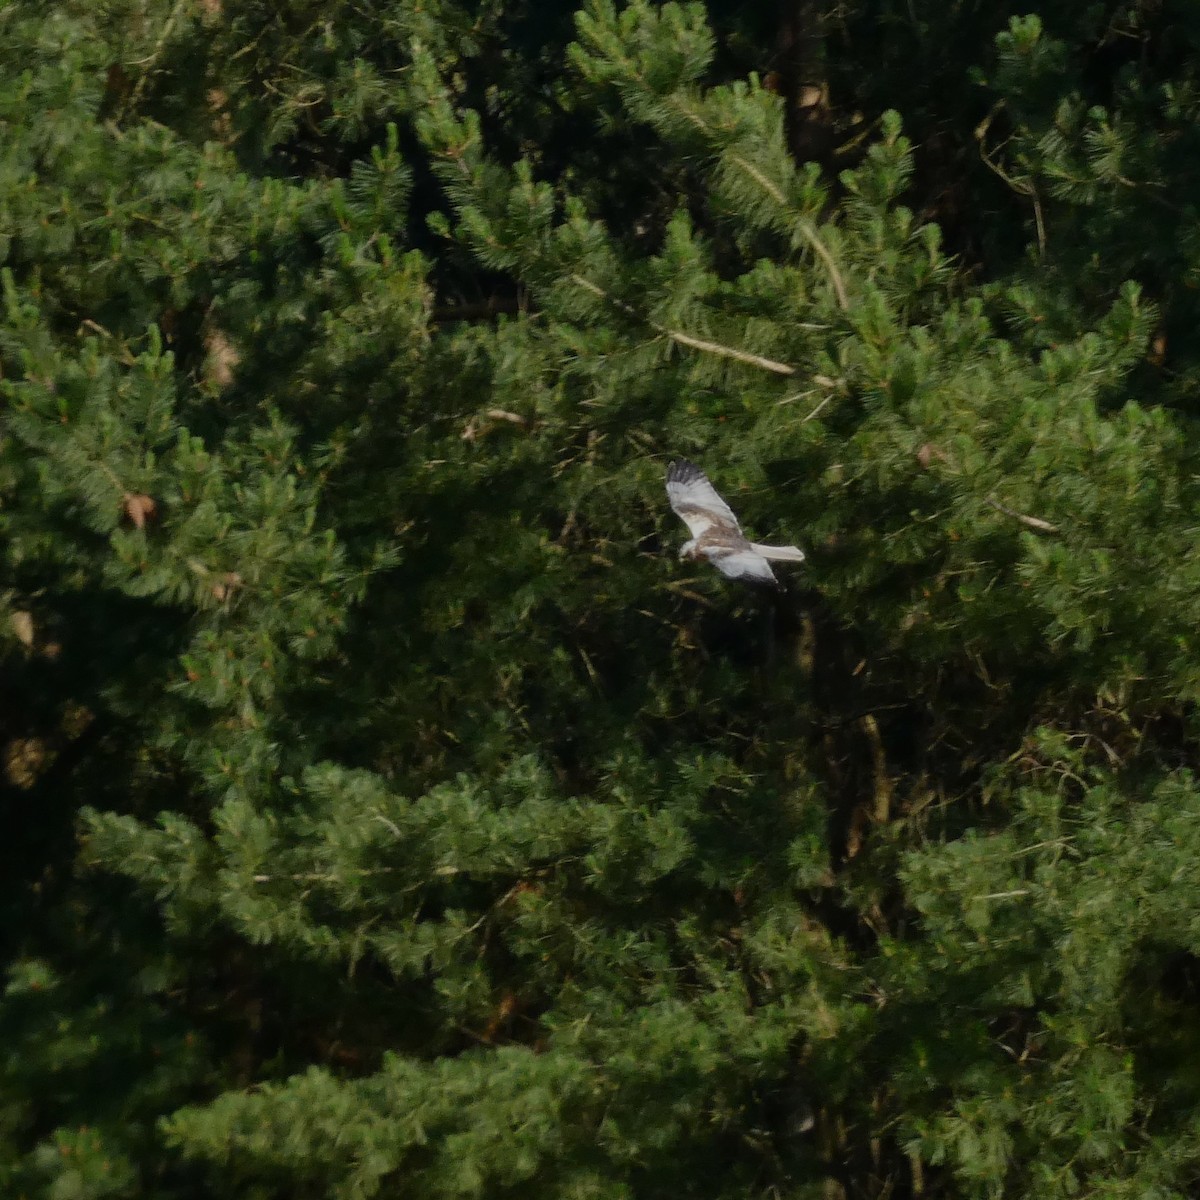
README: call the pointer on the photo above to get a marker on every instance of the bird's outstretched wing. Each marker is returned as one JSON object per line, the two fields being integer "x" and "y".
{"x": 697, "y": 502}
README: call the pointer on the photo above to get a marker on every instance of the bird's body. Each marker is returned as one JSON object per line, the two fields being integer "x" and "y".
{"x": 716, "y": 534}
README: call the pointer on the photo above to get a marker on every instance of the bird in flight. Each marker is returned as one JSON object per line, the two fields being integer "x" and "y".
{"x": 716, "y": 534}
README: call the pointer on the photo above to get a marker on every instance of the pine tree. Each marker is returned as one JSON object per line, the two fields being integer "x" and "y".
{"x": 389, "y": 812}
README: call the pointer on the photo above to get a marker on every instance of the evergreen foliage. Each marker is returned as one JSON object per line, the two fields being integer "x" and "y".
{"x": 388, "y": 812}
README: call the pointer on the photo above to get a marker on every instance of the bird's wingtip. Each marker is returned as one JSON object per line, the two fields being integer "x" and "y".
{"x": 679, "y": 470}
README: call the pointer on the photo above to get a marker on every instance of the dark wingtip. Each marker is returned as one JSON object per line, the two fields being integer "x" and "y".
{"x": 681, "y": 471}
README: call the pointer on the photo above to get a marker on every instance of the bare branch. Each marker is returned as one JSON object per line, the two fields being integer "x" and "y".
{"x": 686, "y": 339}
{"x": 753, "y": 360}
{"x": 816, "y": 410}
{"x": 1032, "y": 522}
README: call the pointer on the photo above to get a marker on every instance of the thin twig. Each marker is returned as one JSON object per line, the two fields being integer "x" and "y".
{"x": 1032, "y": 522}
{"x": 154, "y": 54}
{"x": 391, "y": 825}
{"x": 1023, "y": 186}
{"x": 1058, "y": 843}
{"x": 754, "y": 360}
{"x": 760, "y": 179}
{"x": 97, "y": 328}
{"x": 816, "y": 410}
{"x": 323, "y": 876}
{"x": 806, "y": 228}
{"x": 686, "y": 339}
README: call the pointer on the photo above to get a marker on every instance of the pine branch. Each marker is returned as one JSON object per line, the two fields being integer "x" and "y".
{"x": 686, "y": 339}
{"x": 806, "y": 228}
{"x": 744, "y": 356}
{"x": 1032, "y": 522}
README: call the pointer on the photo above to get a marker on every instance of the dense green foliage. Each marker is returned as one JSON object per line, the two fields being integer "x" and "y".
{"x": 387, "y": 812}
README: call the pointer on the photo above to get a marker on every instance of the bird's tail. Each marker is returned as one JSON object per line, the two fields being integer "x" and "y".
{"x": 779, "y": 553}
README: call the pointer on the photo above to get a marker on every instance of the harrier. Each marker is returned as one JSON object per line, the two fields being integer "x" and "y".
{"x": 716, "y": 534}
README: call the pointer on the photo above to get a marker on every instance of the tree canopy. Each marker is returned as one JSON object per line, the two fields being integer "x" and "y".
{"x": 388, "y": 812}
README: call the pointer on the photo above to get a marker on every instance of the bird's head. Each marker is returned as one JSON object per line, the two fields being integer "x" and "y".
{"x": 689, "y": 550}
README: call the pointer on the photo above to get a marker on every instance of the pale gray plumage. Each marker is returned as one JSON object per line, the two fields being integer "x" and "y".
{"x": 716, "y": 534}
